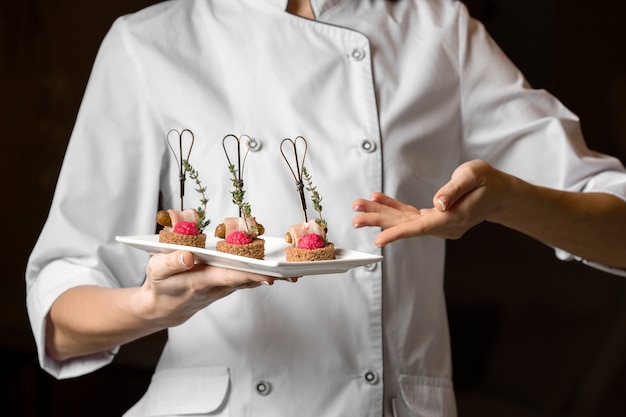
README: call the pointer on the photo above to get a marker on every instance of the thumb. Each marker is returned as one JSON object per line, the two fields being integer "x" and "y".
{"x": 164, "y": 265}
{"x": 462, "y": 182}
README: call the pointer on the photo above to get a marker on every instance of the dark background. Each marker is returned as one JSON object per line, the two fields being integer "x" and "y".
{"x": 532, "y": 336}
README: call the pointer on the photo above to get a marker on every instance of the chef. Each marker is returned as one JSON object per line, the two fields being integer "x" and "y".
{"x": 409, "y": 98}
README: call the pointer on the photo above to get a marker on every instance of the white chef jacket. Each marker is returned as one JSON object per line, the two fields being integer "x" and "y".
{"x": 391, "y": 96}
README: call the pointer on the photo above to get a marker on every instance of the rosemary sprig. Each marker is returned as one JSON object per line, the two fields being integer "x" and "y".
{"x": 239, "y": 193}
{"x": 193, "y": 174}
{"x": 315, "y": 197}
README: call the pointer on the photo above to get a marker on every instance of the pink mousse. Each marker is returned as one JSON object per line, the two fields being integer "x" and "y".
{"x": 238, "y": 238}
{"x": 186, "y": 228}
{"x": 311, "y": 241}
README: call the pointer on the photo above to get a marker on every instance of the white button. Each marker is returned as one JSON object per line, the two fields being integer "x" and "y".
{"x": 358, "y": 54}
{"x": 370, "y": 377}
{"x": 255, "y": 145}
{"x": 368, "y": 146}
{"x": 371, "y": 267}
{"x": 263, "y": 388}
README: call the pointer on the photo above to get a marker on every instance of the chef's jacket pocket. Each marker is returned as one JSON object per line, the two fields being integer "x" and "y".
{"x": 425, "y": 397}
{"x": 185, "y": 392}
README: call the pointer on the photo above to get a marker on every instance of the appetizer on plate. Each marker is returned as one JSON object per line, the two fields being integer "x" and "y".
{"x": 240, "y": 234}
{"x": 181, "y": 227}
{"x": 308, "y": 240}
{"x": 184, "y": 226}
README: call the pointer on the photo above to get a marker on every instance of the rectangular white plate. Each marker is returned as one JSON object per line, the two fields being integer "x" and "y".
{"x": 274, "y": 263}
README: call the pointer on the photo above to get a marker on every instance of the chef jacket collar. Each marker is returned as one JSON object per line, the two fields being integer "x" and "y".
{"x": 319, "y": 6}
{"x": 282, "y": 4}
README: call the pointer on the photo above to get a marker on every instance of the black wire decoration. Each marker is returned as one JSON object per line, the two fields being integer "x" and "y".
{"x": 180, "y": 136}
{"x": 297, "y": 166}
{"x": 240, "y": 162}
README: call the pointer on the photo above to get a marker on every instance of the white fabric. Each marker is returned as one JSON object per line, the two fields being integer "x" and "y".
{"x": 419, "y": 80}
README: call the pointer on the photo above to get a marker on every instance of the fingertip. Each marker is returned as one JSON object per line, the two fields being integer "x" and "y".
{"x": 442, "y": 203}
{"x": 376, "y": 197}
{"x": 185, "y": 259}
{"x": 181, "y": 260}
{"x": 357, "y": 206}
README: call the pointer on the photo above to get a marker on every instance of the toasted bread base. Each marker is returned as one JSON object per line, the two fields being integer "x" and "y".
{"x": 198, "y": 241}
{"x": 255, "y": 249}
{"x": 293, "y": 254}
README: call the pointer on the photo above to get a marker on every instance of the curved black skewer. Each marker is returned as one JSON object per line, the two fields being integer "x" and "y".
{"x": 179, "y": 157}
{"x": 299, "y": 165}
{"x": 240, "y": 162}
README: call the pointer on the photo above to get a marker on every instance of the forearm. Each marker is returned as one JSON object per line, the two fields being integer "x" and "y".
{"x": 589, "y": 225}
{"x": 89, "y": 319}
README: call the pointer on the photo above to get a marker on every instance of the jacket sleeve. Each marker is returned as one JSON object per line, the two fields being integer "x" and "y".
{"x": 108, "y": 186}
{"x": 524, "y": 131}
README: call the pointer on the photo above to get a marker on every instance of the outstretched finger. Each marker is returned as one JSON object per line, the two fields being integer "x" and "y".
{"x": 242, "y": 279}
{"x": 375, "y": 214}
{"x": 387, "y": 201}
{"x": 401, "y": 231}
{"x": 430, "y": 223}
{"x": 389, "y": 235}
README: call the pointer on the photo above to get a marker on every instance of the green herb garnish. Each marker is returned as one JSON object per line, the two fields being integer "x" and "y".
{"x": 315, "y": 198}
{"x": 193, "y": 174}
{"x": 239, "y": 193}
